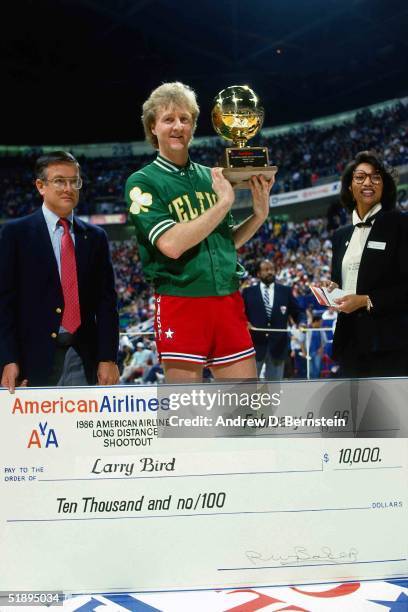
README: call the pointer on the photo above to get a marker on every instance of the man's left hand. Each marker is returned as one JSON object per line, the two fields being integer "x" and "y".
{"x": 260, "y": 188}
{"x": 108, "y": 373}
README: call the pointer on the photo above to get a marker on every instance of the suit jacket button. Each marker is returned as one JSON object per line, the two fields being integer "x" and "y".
{"x": 58, "y": 310}
{"x": 267, "y": 335}
{"x": 53, "y": 335}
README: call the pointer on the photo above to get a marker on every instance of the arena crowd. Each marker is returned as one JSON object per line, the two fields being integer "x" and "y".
{"x": 304, "y": 156}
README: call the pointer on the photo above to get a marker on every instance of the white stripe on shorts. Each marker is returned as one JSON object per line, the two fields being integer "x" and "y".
{"x": 183, "y": 357}
{"x": 231, "y": 358}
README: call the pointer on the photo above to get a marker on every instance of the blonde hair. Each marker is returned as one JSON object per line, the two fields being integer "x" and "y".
{"x": 166, "y": 95}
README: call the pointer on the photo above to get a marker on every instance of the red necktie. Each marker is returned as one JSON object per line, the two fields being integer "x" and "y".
{"x": 71, "y": 319}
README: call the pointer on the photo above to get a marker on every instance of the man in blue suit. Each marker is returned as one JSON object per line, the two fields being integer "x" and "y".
{"x": 56, "y": 289}
{"x": 269, "y": 305}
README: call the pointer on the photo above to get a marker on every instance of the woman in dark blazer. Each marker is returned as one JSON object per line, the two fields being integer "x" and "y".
{"x": 370, "y": 262}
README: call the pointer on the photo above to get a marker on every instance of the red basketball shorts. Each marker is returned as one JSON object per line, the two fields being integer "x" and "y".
{"x": 211, "y": 331}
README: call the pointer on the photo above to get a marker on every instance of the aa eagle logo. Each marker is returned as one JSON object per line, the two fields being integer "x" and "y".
{"x": 140, "y": 201}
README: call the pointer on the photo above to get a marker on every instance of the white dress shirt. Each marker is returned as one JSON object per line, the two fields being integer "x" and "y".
{"x": 55, "y": 231}
{"x": 270, "y": 289}
{"x": 352, "y": 256}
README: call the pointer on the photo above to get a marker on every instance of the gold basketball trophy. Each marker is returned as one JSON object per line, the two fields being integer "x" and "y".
{"x": 237, "y": 115}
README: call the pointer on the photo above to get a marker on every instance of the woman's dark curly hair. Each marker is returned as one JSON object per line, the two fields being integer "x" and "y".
{"x": 389, "y": 195}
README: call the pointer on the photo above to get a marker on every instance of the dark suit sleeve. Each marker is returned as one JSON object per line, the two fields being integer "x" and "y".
{"x": 389, "y": 299}
{"x": 8, "y": 297}
{"x": 336, "y": 264}
{"x": 294, "y": 308}
{"x": 107, "y": 320}
{"x": 245, "y": 298}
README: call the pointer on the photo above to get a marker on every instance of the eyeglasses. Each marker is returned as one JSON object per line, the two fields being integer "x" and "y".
{"x": 60, "y": 183}
{"x": 360, "y": 176}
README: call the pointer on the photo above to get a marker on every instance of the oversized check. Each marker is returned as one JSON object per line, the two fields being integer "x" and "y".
{"x": 94, "y": 499}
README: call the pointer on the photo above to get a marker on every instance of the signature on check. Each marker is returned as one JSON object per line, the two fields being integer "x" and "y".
{"x": 300, "y": 555}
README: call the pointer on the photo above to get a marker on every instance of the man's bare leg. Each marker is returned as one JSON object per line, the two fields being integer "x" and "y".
{"x": 182, "y": 372}
{"x": 239, "y": 370}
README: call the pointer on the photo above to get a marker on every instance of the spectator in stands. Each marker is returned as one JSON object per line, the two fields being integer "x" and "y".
{"x": 370, "y": 262}
{"x": 141, "y": 359}
{"x": 315, "y": 342}
{"x": 329, "y": 319}
{"x": 155, "y": 373}
{"x": 126, "y": 350}
{"x": 298, "y": 350}
{"x": 181, "y": 213}
{"x": 55, "y": 296}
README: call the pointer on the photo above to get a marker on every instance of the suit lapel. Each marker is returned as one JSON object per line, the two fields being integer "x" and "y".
{"x": 277, "y": 302}
{"x": 260, "y": 300}
{"x": 376, "y": 235}
{"x": 345, "y": 242}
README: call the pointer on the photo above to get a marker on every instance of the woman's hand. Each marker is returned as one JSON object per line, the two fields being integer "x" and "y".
{"x": 350, "y": 303}
{"x": 329, "y": 285}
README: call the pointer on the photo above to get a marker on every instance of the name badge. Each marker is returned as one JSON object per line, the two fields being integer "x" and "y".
{"x": 373, "y": 244}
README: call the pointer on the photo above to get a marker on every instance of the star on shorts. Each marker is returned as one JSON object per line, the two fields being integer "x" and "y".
{"x": 169, "y": 333}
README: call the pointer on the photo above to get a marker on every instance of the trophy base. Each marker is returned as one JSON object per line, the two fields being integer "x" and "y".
{"x": 239, "y": 177}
